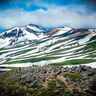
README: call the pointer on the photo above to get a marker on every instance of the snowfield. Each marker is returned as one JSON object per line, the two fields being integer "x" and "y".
{"x": 22, "y": 46}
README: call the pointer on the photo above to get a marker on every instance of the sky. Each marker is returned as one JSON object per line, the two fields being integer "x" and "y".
{"x": 48, "y": 13}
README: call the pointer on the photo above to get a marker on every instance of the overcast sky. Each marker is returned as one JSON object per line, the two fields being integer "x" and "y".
{"x": 47, "y": 13}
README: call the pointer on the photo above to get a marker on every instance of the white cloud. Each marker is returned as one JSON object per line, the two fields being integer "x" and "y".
{"x": 53, "y": 17}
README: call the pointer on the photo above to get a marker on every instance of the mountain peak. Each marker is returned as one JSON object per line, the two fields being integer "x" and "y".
{"x": 21, "y": 35}
{"x": 33, "y": 32}
{"x": 60, "y": 30}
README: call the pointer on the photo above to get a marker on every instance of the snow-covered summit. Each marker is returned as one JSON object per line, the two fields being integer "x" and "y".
{"x": 28, "y": 34}
{"x": 21, "y": 35}
{"x": 60, "y": 31}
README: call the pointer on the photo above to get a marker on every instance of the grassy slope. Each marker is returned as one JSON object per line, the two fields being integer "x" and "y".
{"x": 32, "y": 60}
{"x": 91, "y": 46}
{"x": 74, "y": 62}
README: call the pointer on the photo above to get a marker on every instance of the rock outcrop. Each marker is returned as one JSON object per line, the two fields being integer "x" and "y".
{"x": 49, "y": 81}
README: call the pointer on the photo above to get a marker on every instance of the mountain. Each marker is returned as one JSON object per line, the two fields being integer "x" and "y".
{"x": 21, "y": 35}
{"x": 34, "y": 45}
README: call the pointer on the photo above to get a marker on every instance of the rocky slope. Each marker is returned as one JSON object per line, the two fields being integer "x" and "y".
{"x": 49, "y": 81}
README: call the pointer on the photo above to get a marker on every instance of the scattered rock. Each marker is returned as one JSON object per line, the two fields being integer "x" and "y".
{"x": 34, "y": 81}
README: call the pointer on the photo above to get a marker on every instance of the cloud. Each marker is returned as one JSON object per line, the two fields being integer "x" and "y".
{"x": 52, "y": 17}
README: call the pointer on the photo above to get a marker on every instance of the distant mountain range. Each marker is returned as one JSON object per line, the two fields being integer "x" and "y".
{"x": 57, "y": 46}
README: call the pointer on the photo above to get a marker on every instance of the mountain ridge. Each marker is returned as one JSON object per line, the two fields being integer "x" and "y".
{"x": 30, "y": 44}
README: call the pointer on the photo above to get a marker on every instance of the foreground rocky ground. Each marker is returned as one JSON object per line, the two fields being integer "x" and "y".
{"x": 49, "y": 81}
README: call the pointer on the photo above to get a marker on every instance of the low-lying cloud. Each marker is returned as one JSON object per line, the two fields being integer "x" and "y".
{"x": 52, "y": 17}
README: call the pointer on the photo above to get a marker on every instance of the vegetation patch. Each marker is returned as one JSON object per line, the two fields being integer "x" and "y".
{"x": 73, "y": 76}
{"x": 51, "y": 89}
{"x": 89, "y": 47}
{"x": 32, "y": 60}
{"x": 73, "y": 62}
{"x": 3, "y": 52}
